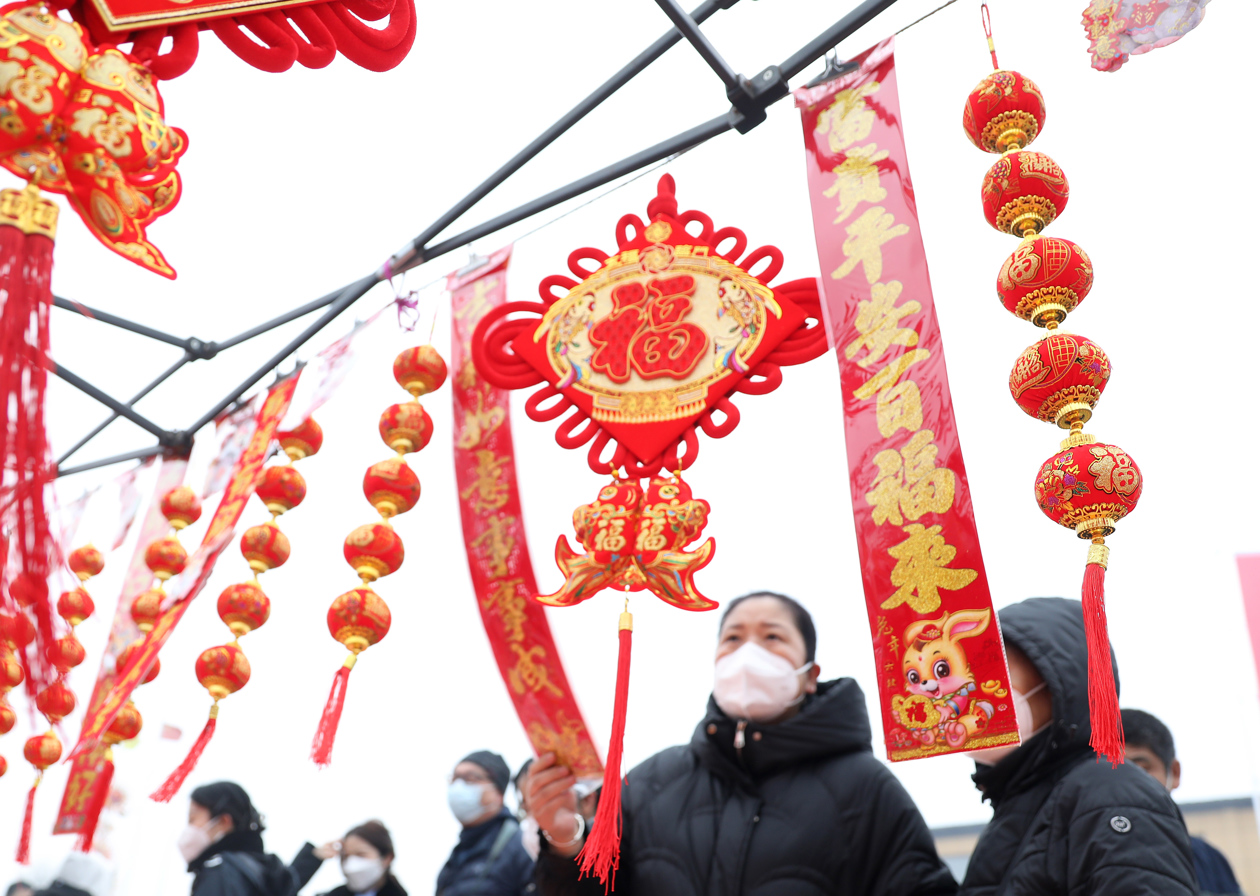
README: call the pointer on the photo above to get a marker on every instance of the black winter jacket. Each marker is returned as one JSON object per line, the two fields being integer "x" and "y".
{"x": 466, "y": 872}
{"x": 802, "y": 809}
{"x": 237, "y": 866}
{"x": 1065, "y": 824}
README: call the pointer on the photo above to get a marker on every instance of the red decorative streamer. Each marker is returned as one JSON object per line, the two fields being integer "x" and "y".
{"x": 326, "y": 733}
{"x": 172, "y": 784}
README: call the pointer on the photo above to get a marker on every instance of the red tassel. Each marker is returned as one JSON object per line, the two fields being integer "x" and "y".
{"x": 326, "y": 733}
{"x": 1106, "y": 733}
{"x": 99, "y": 798}
{"x": 171, "y": 785}
{"x": 24, "y": 843}
{"x": 601, "y": 855}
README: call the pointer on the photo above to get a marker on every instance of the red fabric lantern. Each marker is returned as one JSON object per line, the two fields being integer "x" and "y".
{"x": 126, "y": 725}
{"x": 8, "y": 718}
{"x": 86, "y": 562}
{"x": 181, "y": 507}
{"x": 28, "y": 589}
{"x": 302, "y": 441}
{"x": 146, "y": 608}
{"x": 1060, "y": 378}
{"x": 75, "y": 606}
{"x": 11, "y": 674}
{"x": 55, "y": 701}
{"x": 373, "y": 551}
{"x": 420, "y": 370}
{"x": 129, "y": 652}
{"x": 4, "y": 766}
{"x": 1044, "y": 280}
{"x": 166, "y": 557}
{"x": 1004, "y": 111}
{"x": 358, "y": 619}
{"x": 1023, "y": 192}
{"x": 244, "y": 608}
{"x": 222, "y": 670}
{"x": 1089, "y": 488}
{"x": 391, "y": 487}
{"x": 42, "y": 750}
{"x": 281, "y": 488}
{"x": 17, "y": 631}
{"x": 265, "y": 547}
{"x": 65, "y": 653}
{"x": 406, "y": 427}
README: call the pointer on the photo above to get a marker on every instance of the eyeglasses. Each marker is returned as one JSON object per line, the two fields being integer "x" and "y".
{"x": 470, "y": 778}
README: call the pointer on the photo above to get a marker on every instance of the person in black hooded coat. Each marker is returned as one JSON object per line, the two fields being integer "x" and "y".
{"x": 793, "y": 806}
{"x": 224, "y": 848}
{"x": 1063, "y": 821}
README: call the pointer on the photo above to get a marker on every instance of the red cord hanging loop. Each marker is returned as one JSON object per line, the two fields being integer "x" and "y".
{"x": 988, "y": 32}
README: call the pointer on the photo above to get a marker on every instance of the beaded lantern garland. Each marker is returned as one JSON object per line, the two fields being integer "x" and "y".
{"x": 359, "y": 618}
{"x": 1089, "y": 486}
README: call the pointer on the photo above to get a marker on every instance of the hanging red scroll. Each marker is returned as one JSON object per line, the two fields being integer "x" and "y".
{"x": 218, "y": 535}
{"x": 494, "y": 535}
{"x": 943, "y": 682}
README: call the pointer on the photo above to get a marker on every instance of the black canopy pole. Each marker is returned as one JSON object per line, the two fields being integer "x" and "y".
{"x": 116, "y": 459}
{"x": 110, "y": 402}
{"x": 687, "y": 26}
{"x": 121, "y": 322}
{"x": 819, "y": 46}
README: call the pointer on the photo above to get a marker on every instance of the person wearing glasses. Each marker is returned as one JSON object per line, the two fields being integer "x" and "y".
{"x": 489, "y": 859}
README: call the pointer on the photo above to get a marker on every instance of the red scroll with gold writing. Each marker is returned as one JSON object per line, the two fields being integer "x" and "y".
{"x": 943, "y": 682}
{"x": 494, "y": 535}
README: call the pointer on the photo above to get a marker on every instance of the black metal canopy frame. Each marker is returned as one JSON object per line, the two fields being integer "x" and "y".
{"x": 749, "y": 97}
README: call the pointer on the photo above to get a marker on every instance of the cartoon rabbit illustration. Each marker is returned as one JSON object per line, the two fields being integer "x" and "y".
{"x": 935, "y": 666}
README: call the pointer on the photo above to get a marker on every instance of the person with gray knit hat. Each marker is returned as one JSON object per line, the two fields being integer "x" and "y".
{"x": 489, "y": 859}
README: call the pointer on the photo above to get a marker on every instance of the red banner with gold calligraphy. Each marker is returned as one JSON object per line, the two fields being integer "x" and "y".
{"x": 494, "y": 536}
{"x": 200, "y": 565}
{"x": 939, "y": 660}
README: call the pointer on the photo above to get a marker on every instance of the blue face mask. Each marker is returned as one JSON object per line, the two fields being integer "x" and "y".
{"x": 465, "y": 800}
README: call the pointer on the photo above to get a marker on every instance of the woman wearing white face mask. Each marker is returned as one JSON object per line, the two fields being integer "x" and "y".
{"x": 777, "y": 792}
{"x": 223, "y": 846}
{"x": 367, "y": 859}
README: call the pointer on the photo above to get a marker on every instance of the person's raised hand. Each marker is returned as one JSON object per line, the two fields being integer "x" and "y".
{"x": 329, "y": 850}
{"x": 549, "y": 790}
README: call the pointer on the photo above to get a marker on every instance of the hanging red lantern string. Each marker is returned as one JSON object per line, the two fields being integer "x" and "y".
{"x": 16, "y": 632}
{"x": 360, "y": 618}
{"x": 1089, "y": 485}
{"x": 244, "y": 607}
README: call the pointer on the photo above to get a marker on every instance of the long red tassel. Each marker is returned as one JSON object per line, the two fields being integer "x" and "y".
{"x": 601, "y": 855}
{"x": 326, "y": 733}
{"x": 24, "y": 842}
{"x": 99, "y": 797}
{"x": 171, "y": 785}
{"x": 1106, "y": 733}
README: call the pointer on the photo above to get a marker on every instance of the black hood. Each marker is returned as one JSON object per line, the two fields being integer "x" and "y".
{"x": 1051, "y": 633}
{"x": 831, "y": 722}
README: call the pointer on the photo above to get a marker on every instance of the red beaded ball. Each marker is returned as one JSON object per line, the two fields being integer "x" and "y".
{"x": 86, "y": 562}
{"x": 166, "y": 557}
{"x": 126, "y": 725}
{"x": 146, "y": 608}
{"x": 75, "y": 606}
{"x": 55, "y": 701}
{"x": 222, "y": 670}
{"x": 1023, "y": 192}
{"x": 65, "y": 653}
{"x": 301, "y": 441}
{"x": 181, "y": 507}
{"x": 406, "y": 427}
{"x": 373, "y": 551}
{"x": 265, "y": 547}
{"x": 1060, "y": 379}
{"x": 1044, "y": 280}
{"x": 244, "y": 607}
{"x": 1004, "y": 111}
{"x": 129, "y": 652}
{"x": 281, "y": 488}
{"x": 420, "y": 370}
{"x": 358, "y": 619}
{"x": 1089, "y": 488}
{"x": 391, "y": 487}
{"x": 42, "y": 750}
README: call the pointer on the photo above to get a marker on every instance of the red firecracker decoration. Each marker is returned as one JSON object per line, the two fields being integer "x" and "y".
{"x": 360, "y": 618}
{"x": 1088, "y": 486}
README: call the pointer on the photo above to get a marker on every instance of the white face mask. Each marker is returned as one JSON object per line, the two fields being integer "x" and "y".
{"x": 529, "y": 836}
{"x": 362, "y": 873}
{"x": 193, "y": 841}
{"x": 465, "y": 800}
{"x": 1024, "y": 718}
{"x": 753, "y": 683}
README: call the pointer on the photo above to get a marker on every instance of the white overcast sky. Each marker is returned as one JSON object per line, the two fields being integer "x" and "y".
{"x": 300, "y": 182}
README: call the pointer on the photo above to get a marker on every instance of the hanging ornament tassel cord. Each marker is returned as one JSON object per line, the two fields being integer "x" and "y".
{"x": 24, "y": 843}
{"x": 601, "y": 855}
{"x": 1106, "y": 734}
{"x": 326, "y": 733}
{"x": 988, "y": 32}
{"x": 93, "y": 815}
{"x": 171, "y": 785}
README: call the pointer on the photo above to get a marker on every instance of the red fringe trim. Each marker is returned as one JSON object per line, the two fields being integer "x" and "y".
{"x": 24, "y": 842}
{"x": 326, "y": 733}
{"x": 99, "y": 798}
{"x": 171, "y": 785}
{"x": 601, "y": 855}
{"x": 1106, "y": 733}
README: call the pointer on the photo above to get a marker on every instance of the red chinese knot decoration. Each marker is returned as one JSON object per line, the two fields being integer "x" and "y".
{"x": 1089, "y": 486}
